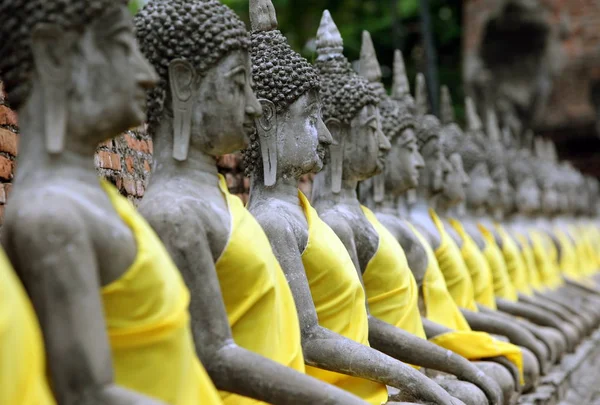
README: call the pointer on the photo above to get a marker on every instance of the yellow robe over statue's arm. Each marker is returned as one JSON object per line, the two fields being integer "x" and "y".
{"x": 442, "y": 309}
{"x": 481, "y": 275}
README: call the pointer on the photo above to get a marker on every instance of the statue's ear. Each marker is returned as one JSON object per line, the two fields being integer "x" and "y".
{"x": 50, "y": 46}
{"x": 266, "y": 126}
{"x": 182, "y": 76}
{"x": 336, "y": 153}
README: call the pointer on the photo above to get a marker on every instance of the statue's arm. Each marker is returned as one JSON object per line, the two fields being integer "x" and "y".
{"x": 52, "y": 252}
{"x": 231, "y": 367}
{"x": 433, "y": 329}
{"x": 414, "y": 350}
{"x": 324, "y": 348}
{"x": 536, "y": 315}
{"x": 415, "y": 384}
{"x": 490, "y": 323}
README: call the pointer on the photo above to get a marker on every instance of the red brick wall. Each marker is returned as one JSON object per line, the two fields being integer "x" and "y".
{"x": 578, "y": 22}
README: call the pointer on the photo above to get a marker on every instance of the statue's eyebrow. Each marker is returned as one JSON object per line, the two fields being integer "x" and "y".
{"x": 235, "y": 71}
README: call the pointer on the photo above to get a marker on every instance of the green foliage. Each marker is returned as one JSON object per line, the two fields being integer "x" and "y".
{"x": 393, "y": 24}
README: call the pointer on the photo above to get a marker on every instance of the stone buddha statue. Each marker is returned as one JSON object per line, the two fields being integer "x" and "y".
{"x": 400, "y": 174}
{"x": 111, "y": 305}
{"x": 244, "y": 321}
{"x": 288, "y": 141}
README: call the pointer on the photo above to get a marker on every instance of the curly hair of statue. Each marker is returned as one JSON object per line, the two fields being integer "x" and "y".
{"x": 394, "y": 120}
{"x": 343, "y": 92}
{"x": 281, "y": 76}
{"x": 20, "y": 17}
{"x": 199, "y": 31}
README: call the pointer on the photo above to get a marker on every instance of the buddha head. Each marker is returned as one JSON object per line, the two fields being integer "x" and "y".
{"x": 290, "y": 138}
{"x": 78, "y": 64}
{"x": 204, "y": 98}
{"x": 430, "y": 140}
{"x": 473, "y": 159}
{"x": 491, "y": 142}
{"x": 403, "y": 162}
{"x": 519, "y": 170}
{"x": 401, "y": 86}
{"x": 349, "y": 106}
{"x": 456, "y": 181}
{"x": 546, "y": 177}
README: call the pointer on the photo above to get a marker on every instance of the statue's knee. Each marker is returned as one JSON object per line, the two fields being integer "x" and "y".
{"x": 531, "y": 370}
{"x": 502, "y": 376}
{"x": 468, "y": 393}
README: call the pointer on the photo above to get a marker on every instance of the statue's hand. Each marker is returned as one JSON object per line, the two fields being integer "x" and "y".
{"x": 489, "y": 387}
{"x": 115, "y": 395}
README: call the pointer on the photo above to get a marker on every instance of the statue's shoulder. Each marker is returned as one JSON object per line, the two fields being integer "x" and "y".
{"x": 413, "y": 249}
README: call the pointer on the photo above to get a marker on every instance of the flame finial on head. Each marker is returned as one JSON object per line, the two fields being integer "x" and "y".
{"x": 401, "y": 87}
{"x": 329, "y": 39}
{"x": 262, "y": 15}
{"x": 473, "y": 120}
{"x": 369, "y": 65}
{"x": 447, "y": 109}
{"x": 421, "y": 99}
{"x": 492, "y": 128}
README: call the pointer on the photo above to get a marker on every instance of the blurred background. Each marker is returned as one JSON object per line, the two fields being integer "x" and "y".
{"x": 536, "y": 61}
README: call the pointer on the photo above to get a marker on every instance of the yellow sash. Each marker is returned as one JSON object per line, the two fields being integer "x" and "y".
{"x": 392, "y": 291}
{"x": 453, "y": 267}
{"x": 148, "y": 323}
{"x": 22, "y": 358}
{"x": 339, "y": 300}
{"x": 568, "y": 257}
{"x": 503, "y": 287}
{"x": 258, "y": 300}
{"x": 529, "y": 259}
{"x": 481, "y": 275}
{"x": 515, "y": 265}
{"x": 442, "y": 310}
{"x": 543, "y": 258}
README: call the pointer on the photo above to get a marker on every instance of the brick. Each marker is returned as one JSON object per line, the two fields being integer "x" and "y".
{"x": 139, "y": 188}
{"x": 144, "y": 147}
{"x": 129, "y": 164}
{"x": 129, "y": 185}
{"x": 150, "y": 146}
{"x": 246, "y": 184}
{"x": 8, "y": 142}
{"x": 6, "y": 168}
{"x": 7, "y": 189}
{"x": 132, "y": 142}
{"x": 227, "y": 162}
{"x": 108, "y": 160}
{"x": 146, "y": 166}
{"x": 7, "y": 116}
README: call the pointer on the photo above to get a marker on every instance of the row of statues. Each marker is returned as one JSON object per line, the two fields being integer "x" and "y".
{"x": 430, "y": 265}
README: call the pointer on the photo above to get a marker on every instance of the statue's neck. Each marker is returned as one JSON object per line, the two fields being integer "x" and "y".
{"x": 285, "y": 189}
{"x": 324, "y": 198}
{"x": 389, "y": 205}
{"x": 75, "y": 162}
{"x": 199, "y": 166}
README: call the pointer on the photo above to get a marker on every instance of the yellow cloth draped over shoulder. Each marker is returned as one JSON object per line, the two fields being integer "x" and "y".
{"x": 392, "y": 291}
{"x": 453, "y": 267}
{"x": 258, "y": 300}
{"x": 515, "y": 264}
{"x": 503, "y": 287}
{"x": 568, "y": 256}
{"x": 442, "y": 310}
{"x": 481, "y": 275}
{"x": 148, "y": 322}
{"x": 22, "y": 357}
{"x": 545, "y": 255}
{"x": 339, "y": 300}
{"x": 533, "y": 276}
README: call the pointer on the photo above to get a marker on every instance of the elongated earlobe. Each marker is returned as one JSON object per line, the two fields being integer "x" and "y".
{"x": 49, "y": 45}
{"x": 336, "y": 153}
{"x": 266, "y": 127}
{"x": 181, "y": 79}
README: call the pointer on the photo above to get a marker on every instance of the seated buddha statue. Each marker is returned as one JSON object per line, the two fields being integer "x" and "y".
{"x": 244, "y": 321}
{"x": 288, "y": 141}
{"x": 112, "y": 307}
